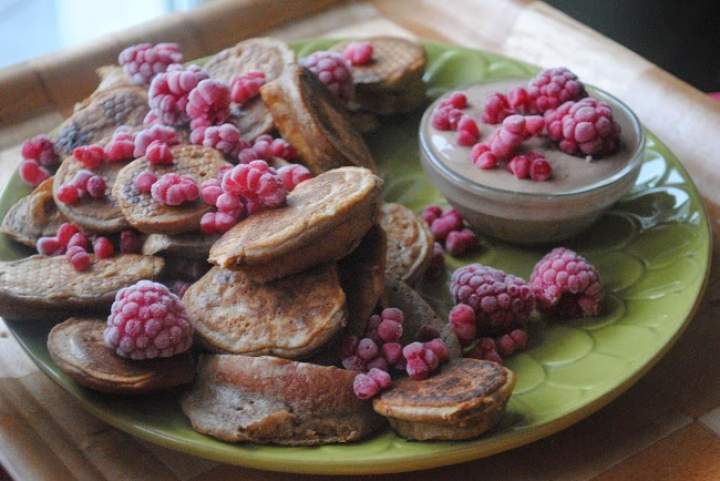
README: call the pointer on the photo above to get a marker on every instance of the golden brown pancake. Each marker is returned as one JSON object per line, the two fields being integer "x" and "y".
{"x": 192, "y": 245}
{"x": 40, "y": 287}
{"x": 33, "y": 216}
{"x": 465, "y": 399}
{"x": 77, "y": 347}
{"x": 111, "y": 77}
{"x": 275, "y": 401}
{"x": 410, "y": 243}
{"x": 362, "y": 275}
{"x": 291, "y": 317}
{"x": 95, "y": 215}
{"x": 149, "y": 216}
{"x": 324, "y": 220}
{"x": 97, "y": 118}
{"x": 314, "y": 122}
{"x": 267, "y": 55}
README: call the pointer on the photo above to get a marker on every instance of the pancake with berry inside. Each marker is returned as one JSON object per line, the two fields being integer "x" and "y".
{"x": 267, "y": 55}
{"x": 324, "y": 220}
{"x": 410, "y": 243}
{"x": 33, "y": 216}
{"x": 291, "y": 317}
{"x": 49, "y": 288}
{"x": 462, "y": 401}
{"x": 390, "y": 82}
{"x": 314, "y": 122}
{"x": 362, "y": 275}
{"x": 77, "y": 347}
{"x": 269, "y": 400}
{"x": 191, "y": 245}
{"x": 97, "y": 118}
{"x": 103, "y": 214}
{"x": 147, "y": 214}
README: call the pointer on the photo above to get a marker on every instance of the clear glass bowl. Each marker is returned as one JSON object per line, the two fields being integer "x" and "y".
{"x": 528, "y": 217}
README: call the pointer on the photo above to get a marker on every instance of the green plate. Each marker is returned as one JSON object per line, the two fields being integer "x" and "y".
{"x": 652, "y": 249}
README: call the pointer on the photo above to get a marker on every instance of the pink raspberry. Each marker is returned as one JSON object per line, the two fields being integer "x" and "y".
{"x": 448, "y": 222}
{"x": 566, "y": 284}
{"x": 225, "y": 138}
{"x": 210, "y": 190}
{"x": 486, "y": 349}
{"x": 496, "y": 109}
{"x": 65, "y": 232}
{"x": 246, "y": 86}
{"x": 130, "y": 242}
{"x": 78, "y": 257}
{"x": 515, "y": 341}
{"x": 430, "y": 213}
{"x": 553, "y": 87}
{"x": 150, "y": 119}
{"x": 377, "y": 363}
{"x": 514, "y": 130}
{"x": 365, "y": 387}
{"x": 90, "y": 156}
{"x": 500, "y": 300}
{"x": 390, "y": 330}
{"x": 462, "y": 321}
{"x": 173, "y": 189}
{"x": 332, "y": 70}
{"x": 210, "y": 101}
{"x": 78, "y": 239}
{"x": 291, "y": 175}
{"x": 438, "y": 347}
{"x": 392, "y": 352}
{"x": 147, "y": 321}
{"x": 458, "y": 242}
{"x": 262, "y": 146}
{"x": 422, "y": 360}
{"x": 255, "y": 181}
{"x": 482, "y": 157}
{"x": 367, "y": 350}
{"x": 354, "y": 363}
{"x": 80, "y": 179}
{"x": 519, "y": 166}
{"x": 230, "y": 204}
{"x": 144, "y": 181}
{"x": 381, "y": 377}
{"x": 216, "y": 223}
{"x": 437, "y": 262}
{"x": 103, "y": 248}
{"x": 143, "y": 61}
{"x": 96, "y": 187}
{"x": 68, "y": 194}
{"x": 49, "y": 246}
{"x": 282, "y": 149}
{"x": 468, "y": 132}
{"x": 540, "y": 169}
{"x": 417, "y": 368}
{"x": 32, "y": 173}
{"x": 520, "y": 101}
{"x": 169, "y": 91}
{"x": 585, "y": 127}
{"x": 358, "y": 53}
{"x": 456, "y": 100}
{"x": 159, "y": 153}
{"x": 161, "y": 133}
{"x": 40, "y": 149}
{"x": 446, "y": 117}
{"x": 121, "y": 146}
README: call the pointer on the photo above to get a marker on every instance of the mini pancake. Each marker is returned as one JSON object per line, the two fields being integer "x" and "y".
{"x": 192, "y": 245}
{"x": 362, "y": 275}
{"x": 465, "y": 399}
{"x": 77, "y": 347}
{"x": 95, "y": 119}
{"x": 410, "y": 243}
{"x": 150, "y": 216}
{"x": 40, "y": 287}
{"x": 266, "y": 55}
{"x": 324, "y": 220}
{"x": 33, "y": 216}
{"x": 418, "y": 313}
{"x": 392, "y": 81}
{"x": 314, "y": 122}
{"x": 111, "y": 77}
{"x": 95, "y": 215}
{"x": 291, "y": 317}
{"x": 275, "y": 401}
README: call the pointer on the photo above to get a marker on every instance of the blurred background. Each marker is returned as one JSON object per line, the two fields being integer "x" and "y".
{"x": 683, "y": 37}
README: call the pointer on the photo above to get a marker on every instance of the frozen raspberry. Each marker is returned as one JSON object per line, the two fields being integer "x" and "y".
{"x": 458, "y": 242}
{"x": 446, "y": 117}
{"x": 448, "y": 222}
{"x": 553, "y": 87}
{"x": 377, "y": 363}
{"x": 65, "y": 232}
{"x": 291, "y": 175}
{"x": 367, "y": 350}
{"x": 159, "y": 153}
{"x": 381, "y": 377}
{"x": 78, "y": 257}
{"x": 485, "y": 349}
{"x": 150, "y": 119}
{"x": 358, "y": 53}
{"x": 514, "y": 130}
{"x": 147, "y": 321}
{"x": 482, "y": 157}
{"x": 520, "y": 101}
{"x": 103, "y": 248}
{"x": 353, "y": 363}
{"x": 144, "y": 181}
{"x": 263, "y": 147}
{"x": 40, "y": 149}
{"x": 585, "y": 127}
{"x": 392, "y": 352}
{"x": 90, "y": 156}
{"x": 282, "y": 149}
{"x": 414, "y": 349}
{"x": 566, "y": 284}
{"x": 225, "y": 138}
{"x": 438, "y": 347}
{"x": 540, "y": 169}
{"x": 78, "y": 239}
{"x": 332, "y": 70}
{"x": 32, "y": 173}
{"x": 430, "y": 213}
{"x": 390, "y": 330}
{"x": 95, "y": 187}
{"x": 143, "y": 61}
{"x": 173, "y": 189}
{"x": 49, "y": 246}
{"x": 500, "y": 300}
{"x": 68, "y": 194}
{"x": 456, "y": 100}
{"x": 462, "y": 322}
{"x": 216, "y": 223}
{"x": 145, "y": 137}
{"x": 437, "y": 262}
{"x": 130, "y": 242}
{"x": 230, "y": 204}
{"x": 514, "y": 341}
{"x": 121, "y": 145}
{"x": 519, "y": 166}
{"x": 365, "y": 387}
{"x": 246, "y": 86}
{"x": 468, "y": 132}
{"x": 392, "y": 314}
{"x": 80, "y": 179}
{"x": 210, "y": 101}
{"x": 210, "y": 190}
{"x": 257, "y": 182}
{"x": 169, "y": 91}
{"x": 496, "y": 108}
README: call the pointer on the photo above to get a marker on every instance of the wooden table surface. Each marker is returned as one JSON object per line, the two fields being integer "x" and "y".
{"x": 666, "y": 427}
